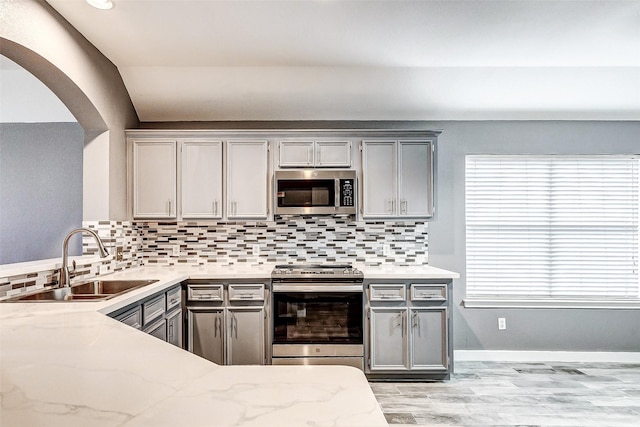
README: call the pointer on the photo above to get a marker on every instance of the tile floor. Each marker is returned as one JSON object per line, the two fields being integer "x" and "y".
{"x": 518, "y": 394}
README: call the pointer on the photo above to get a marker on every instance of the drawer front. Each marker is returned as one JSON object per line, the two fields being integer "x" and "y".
{"x": 132, "y": 317}
{"x": 428, "y": 292}
{"x": 205, "y": 292}
{"x": 174, "y": 298}
{"x": 390, "y": 292}
{"x": 246, "y": 292}
{"x": 153, "y": 309}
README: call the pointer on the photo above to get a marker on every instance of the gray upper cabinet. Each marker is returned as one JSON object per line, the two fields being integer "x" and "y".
{"x": 398, "y": 178}
{"x": 247, "y": 179}
{"x": 201, "y": 179}
{"x": 312, "y": 153}
{"x": 415, "y": 178}
{"x": 154, "y": 179}
{"x": 295, "y": 154}
{"x": 379, "y": 178}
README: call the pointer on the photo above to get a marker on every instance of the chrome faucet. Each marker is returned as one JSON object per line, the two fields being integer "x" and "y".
{"x": 64, "y": 271}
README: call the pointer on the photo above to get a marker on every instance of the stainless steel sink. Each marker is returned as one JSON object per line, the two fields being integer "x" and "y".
{"x": 87, "y": 291}
{"x": 109, "y": 287}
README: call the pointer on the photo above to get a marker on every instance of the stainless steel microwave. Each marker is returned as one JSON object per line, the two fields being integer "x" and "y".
{"x": 315, "y": 192}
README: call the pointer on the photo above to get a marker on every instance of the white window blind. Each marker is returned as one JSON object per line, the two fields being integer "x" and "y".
{"x": 554, "y": 227}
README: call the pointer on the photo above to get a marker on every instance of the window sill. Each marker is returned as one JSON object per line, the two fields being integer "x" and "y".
{"x": 548, "y": 303}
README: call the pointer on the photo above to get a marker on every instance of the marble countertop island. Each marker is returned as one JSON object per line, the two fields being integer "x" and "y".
{"x": 68, "y": 364}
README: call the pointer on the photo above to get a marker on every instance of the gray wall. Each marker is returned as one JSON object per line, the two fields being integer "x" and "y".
{"x": 40, "y": 189}
{"x": 527, "y": 329}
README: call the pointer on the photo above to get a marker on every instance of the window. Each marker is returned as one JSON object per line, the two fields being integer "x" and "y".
{"x": 551, "y": 229}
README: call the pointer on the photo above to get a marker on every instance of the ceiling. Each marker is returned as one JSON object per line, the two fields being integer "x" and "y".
{"x": 207, "y": 60}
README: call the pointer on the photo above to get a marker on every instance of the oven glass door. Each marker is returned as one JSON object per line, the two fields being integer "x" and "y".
{"x": 304, "y": 193}
{"x": 317, "y": 318}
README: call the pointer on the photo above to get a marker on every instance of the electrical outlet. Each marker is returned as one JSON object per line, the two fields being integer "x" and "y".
{"x": 255, "y": 249}
{"x": 502, "y": 323}
{"x": 104, "y": 269}
{"x": 119, "y": 253}
{"x": 176, "y": 250}
{"x": 386, "y": 250}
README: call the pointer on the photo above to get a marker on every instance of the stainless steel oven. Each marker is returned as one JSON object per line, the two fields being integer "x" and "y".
{"x": 317, "y": 315}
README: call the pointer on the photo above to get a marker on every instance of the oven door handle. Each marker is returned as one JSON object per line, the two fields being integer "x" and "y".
{"x": 306, "y": 287}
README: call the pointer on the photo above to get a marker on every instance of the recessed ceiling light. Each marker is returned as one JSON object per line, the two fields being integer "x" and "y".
{"x": 101, "y": 4}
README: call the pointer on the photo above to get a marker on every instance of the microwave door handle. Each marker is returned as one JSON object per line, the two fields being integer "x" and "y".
{"x": 337, "y": 193}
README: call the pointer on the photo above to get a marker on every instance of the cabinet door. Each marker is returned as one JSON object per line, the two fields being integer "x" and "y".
{"x": 247, "y": 179}
{"x": 131, "y": 317}
{"x": 246, "y": 343}
{"x": 333, "y": 154}
{"x": 205, "y": 333}
{"x": 428, "y": 338}
{"x": 379, "y": 178}
{"x": 415, "y": 183}
{"x": 174, "y": 328}
{"x": 388, "y": 341}
{"x": 157, "y": 330}
{"x": 202, "y": 179}
{"x": 296, "y": 154}
{"x": 154, "y": 179}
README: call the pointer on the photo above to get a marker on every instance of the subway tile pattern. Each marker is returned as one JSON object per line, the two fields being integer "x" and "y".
{"x": 287, "y": 240}
{"x": 290, "y": 239}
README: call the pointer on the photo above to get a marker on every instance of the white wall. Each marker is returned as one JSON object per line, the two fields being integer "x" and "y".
{"x": 25, "y": 99}
{"x": 33, "y": 35}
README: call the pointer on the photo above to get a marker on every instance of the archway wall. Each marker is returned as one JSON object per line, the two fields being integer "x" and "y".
{"x": 36, "y": 37}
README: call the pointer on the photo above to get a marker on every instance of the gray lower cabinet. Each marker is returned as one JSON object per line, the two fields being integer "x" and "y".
{"x": 226, "y": 322}
{"x": 159, "y": 315}
{"x": 408, "y": 330}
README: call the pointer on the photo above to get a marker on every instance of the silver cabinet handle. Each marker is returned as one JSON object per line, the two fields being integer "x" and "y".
{"x": 170, "y": 332}
{"x": 234, "y": 324}
{"x": 169, "y": 203}
{"x": 215, "y": 326}
{"x": 403, "y": 206}
{"x": 310, "y": 155}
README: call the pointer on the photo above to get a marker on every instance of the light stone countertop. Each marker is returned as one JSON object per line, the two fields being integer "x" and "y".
{"x": 67, "y": 363}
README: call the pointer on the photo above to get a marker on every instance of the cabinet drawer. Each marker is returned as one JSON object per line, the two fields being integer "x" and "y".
{"x": 205, "y": 293}
{"x": 174, "y": 298}
{"x": 391, "y": 292}
{"x": 247, "y": 292}
{"x": 132, "y": 317}
{"x": 428, "y": 292}
{"x": 153, "y": 309}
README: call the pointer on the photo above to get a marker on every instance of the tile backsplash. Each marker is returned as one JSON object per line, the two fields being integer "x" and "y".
{"x": 112, "y": 233}
{"x": 290, "y": 239}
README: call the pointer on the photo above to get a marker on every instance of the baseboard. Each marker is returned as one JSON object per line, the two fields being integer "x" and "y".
{"x": 545, "y": 356}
